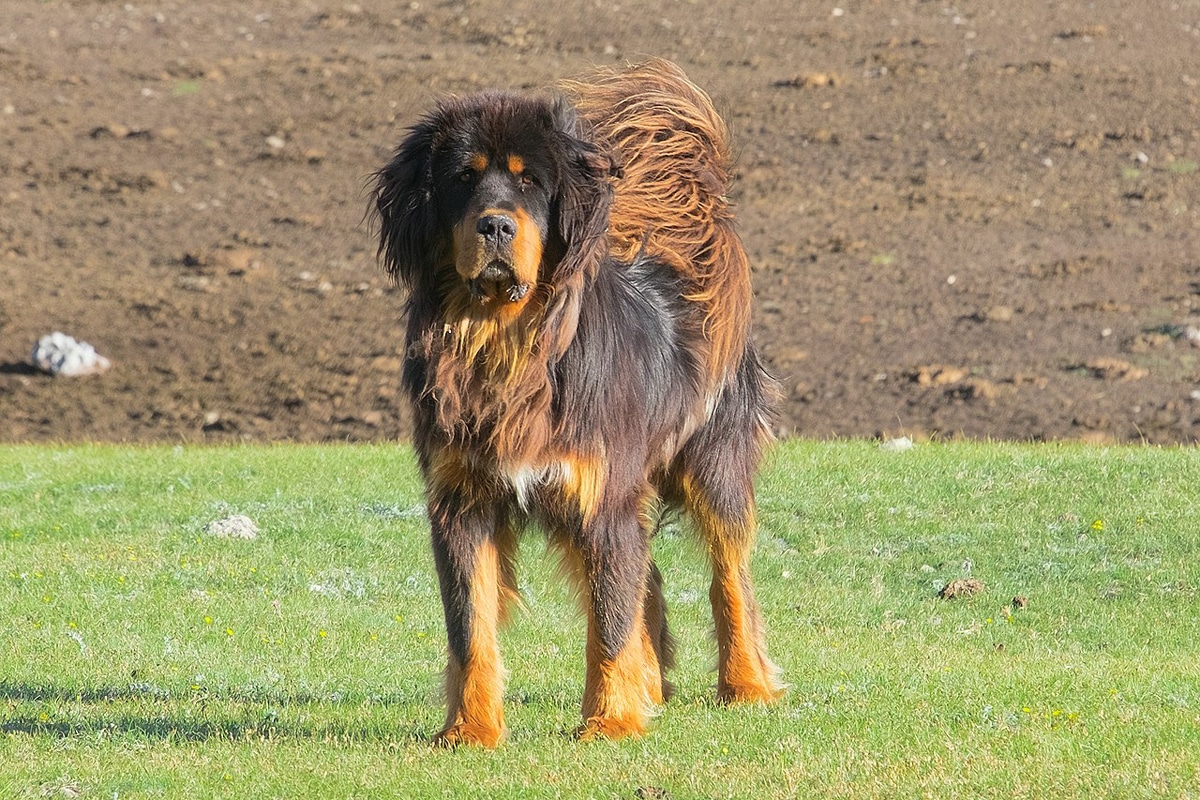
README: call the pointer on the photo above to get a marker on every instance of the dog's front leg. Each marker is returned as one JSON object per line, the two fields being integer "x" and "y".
{"x": 624, "y": 678}
{"x": 469, "y": 566}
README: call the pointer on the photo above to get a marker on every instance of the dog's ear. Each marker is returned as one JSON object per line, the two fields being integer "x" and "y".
{"x": 584, "y": 195}
{"x": 406, "y": 208}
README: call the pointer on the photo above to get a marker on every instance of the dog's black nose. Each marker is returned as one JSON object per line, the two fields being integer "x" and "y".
{"x": 499, "y": 228}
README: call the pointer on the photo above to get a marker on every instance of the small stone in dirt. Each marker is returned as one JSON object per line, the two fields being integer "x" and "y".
{"x": 155, "y": 179}
{"x": 997, "y": 314}
{"x": 194, "y": 258}
{"x": 60, "y": 355}
{"x": 823, "y": 136}
{"x": 237, "y": 526}
{"x": 238, "y": 261}
{"x": 195, "y": 283}
{"x": 1087, "y": 32}
{"x": 961, "y": 587}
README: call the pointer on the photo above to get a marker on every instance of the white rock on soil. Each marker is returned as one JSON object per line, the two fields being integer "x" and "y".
{"x": 59, "y": 354}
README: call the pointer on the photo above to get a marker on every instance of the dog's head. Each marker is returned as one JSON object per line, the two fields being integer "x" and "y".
{"x": 491, "y": 195}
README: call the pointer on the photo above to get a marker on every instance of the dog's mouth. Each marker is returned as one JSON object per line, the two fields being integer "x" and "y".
{"x": 497, "y": 255}
{"x": 497, "y": 281}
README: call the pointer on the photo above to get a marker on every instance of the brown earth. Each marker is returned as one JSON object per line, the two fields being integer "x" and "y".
{"x": 977, "y": 220}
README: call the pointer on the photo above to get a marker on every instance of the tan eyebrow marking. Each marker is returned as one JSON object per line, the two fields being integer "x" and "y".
{"x": 479, "y": 162}
{"x": 516, "y": 165}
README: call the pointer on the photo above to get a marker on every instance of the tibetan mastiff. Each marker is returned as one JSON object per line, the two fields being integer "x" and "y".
{"x": 578, "y": 358}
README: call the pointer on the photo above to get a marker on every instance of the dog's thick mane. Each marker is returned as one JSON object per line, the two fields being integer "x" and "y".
{"x": 670, "y": 198}
{"x": 490, "y": 381}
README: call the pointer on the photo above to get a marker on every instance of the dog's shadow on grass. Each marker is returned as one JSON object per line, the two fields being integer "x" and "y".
{"x": 142, "y": 711}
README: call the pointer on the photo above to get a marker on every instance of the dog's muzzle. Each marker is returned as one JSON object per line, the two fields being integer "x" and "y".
{"x": 497, "y": 278}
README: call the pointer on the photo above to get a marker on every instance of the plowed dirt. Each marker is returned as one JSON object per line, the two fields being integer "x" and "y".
{"x": 955, "y": 213}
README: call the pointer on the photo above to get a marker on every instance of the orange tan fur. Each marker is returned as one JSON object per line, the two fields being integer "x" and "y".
{"x": 620, "y": 693}
{"x": 583, "y": 484}
{"x": 670, "y": 200}
{"x": 527, "y": 248}
{"x": 744, "y": 672}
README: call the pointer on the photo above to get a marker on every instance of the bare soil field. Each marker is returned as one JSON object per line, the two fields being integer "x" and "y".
{"x": 976, "y": 220}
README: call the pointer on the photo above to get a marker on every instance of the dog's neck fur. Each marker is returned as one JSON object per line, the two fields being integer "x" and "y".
{"x": 490, "y": 376}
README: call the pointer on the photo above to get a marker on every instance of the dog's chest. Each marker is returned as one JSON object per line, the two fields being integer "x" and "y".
{"x": 530, "y": 482}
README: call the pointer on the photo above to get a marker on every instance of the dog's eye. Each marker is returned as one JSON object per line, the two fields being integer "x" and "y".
{"x": 526, "y": 181}
{"x": 467, "y": 175}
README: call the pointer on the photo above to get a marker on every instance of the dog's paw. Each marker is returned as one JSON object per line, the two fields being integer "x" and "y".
{"x": 467, "y": 733}
{"x": 594, "y": 728}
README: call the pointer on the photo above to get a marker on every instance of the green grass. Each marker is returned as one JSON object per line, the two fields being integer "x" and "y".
{"x": 142, "y": 658}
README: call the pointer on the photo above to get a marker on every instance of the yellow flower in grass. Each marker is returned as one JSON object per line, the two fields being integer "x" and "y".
{"x": 1098, "y": 525}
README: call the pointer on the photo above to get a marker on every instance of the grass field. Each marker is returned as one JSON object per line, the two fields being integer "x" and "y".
{"x": 144, "y": 658}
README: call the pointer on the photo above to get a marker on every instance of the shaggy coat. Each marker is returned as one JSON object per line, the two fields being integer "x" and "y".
{"x": 579, "y": 358}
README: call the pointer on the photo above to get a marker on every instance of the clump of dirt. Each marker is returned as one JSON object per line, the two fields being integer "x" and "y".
{"x": 236, "y": 526}
{"x": 962, "y": 588}
{"x": 1115, "y": 369}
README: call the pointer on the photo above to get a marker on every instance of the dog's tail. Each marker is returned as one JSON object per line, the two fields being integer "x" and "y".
{"x": 670, "y": 199}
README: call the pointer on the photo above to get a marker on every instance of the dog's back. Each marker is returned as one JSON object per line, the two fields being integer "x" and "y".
{"x": 670, "y": 197}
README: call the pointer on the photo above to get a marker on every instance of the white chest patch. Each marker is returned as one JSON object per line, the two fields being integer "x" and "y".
{"x": 526, "y": 479}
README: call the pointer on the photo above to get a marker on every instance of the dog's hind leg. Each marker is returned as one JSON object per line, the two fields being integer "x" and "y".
{"x": 713, "y": 479}
{"x": 744, "y": 672}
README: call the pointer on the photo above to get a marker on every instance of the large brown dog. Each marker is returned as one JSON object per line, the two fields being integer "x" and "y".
{"x": 578, "y": 357}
